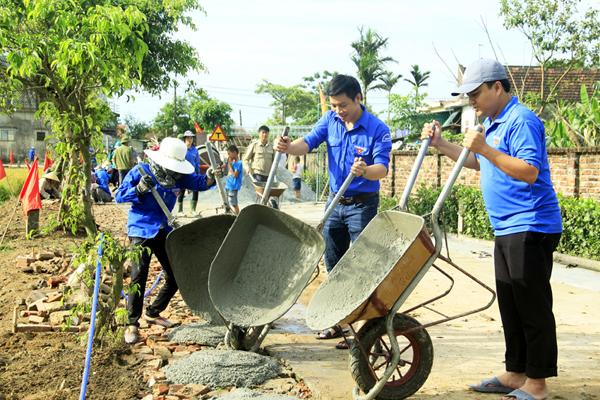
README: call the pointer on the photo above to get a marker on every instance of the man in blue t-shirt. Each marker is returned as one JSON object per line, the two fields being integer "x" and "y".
{"x": 100, "y": 190}
{"x": 509, "y": 150}
{"x": 235, "y": 173}
{"x": 357, "y": 142}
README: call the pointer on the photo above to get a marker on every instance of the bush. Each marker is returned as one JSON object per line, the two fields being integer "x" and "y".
{"x": 476, "y": 222}
{"x": 310, "y": 179}
{"x": 581, "y": 227}
{"x": 423, "y": 201}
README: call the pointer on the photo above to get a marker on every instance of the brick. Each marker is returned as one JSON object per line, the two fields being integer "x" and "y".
{"x": 36, "y": 319}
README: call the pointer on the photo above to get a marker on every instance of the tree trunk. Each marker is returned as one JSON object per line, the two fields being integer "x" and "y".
{"x": 86, "y": 193}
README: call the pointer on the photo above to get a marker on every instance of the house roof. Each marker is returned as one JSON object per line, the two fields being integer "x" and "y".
{"x": 529, "y": 79}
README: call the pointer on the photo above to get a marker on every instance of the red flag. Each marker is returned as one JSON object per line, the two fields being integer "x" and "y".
{"x": 30, "y": 193}
{"x": 47, "y": 162}
{"x": 2, "y": 171}
{"x": 27, "y": 163}
{"x": 197, "y": 127}
{"x": 11, "y": 157}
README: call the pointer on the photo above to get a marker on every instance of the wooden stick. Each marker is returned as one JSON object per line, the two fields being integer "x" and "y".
{"x": 46, "y": 328}
{"x": 9, "y": 221}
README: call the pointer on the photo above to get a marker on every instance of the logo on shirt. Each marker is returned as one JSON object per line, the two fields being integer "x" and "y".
{"x": 359, "y": 150}
{"x": 496, "y": 140}
{"x": 386, "y": 138}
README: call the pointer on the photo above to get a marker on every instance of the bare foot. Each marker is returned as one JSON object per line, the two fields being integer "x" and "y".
{"x": 512, "y": 379}
{"x": 535, "y": 387}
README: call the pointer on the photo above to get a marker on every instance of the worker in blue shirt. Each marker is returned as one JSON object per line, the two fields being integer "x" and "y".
{"x": 168, "y": 171}
{"x": 194, "y": 158}
{"x": 31, "y": 154}
{"x": 100, "y": 190}
{"x": 509, "y": 150}
{"x": 358, "y": 143}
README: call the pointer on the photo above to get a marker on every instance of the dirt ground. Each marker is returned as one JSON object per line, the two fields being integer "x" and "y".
{"x": 49, "y": 366}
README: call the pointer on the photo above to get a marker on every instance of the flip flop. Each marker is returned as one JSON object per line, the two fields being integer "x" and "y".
{"x": 330, "y": 333}
{"x": 518, "y": 394}
{"x": 492, "y": 385}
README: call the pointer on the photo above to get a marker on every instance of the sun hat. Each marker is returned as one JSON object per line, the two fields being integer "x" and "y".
{"x": 171, "y": 155}
{"x": 481, "y": 71}
{"x": 51, "y": 175}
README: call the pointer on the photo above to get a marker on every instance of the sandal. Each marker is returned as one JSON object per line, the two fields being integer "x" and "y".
{"x": 518, "y": 394}
{"x": 492, "y": 385}
{"x": 159, "y": 321}
{"x": 330, "y": 333}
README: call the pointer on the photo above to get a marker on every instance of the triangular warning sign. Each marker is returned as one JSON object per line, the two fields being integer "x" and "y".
{"x": 218, "y": 135}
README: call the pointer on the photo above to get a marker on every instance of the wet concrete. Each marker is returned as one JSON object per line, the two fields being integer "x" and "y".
{"x": 243, "y": 394}
{"x": 265, "y": 262}
{"x": 364, "y": 266}
{"x": 223, "y": 368}
{"x": 202, "y": 334}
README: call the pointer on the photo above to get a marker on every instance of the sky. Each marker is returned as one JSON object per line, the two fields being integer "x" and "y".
{"x": 243, "y": 42}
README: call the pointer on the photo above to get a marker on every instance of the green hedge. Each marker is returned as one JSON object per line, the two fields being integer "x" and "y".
{"x": 581, "y": 218}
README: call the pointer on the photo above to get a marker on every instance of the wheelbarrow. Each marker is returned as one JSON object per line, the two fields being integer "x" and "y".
{"x": 371, "y": 282}
{"x": 264, "y": 264}
{"x": 277, "y": 189}
{"x": 191, "y": 249}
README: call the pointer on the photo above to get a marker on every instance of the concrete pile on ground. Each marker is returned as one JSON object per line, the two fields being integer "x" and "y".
{"x": 223, "y": 368}
{"x": 202, "y": 334}
{"x": 243, "y": 394}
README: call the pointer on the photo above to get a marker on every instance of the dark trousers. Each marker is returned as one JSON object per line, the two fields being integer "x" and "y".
{"x": 523, "y": 263}
{"x": 139, "y": 275}
{"x": 122, "y": 173}
{"x": 344, "y": 225}
{"x": 181, "y": 195}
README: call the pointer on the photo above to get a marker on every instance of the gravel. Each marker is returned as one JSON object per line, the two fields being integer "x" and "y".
{"x": 223, "y": 368}
{"x": 203, "y": 334}
{"x": 250, "y": 394}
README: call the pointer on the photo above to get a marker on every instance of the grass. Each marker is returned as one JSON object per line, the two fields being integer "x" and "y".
{"x": 12, "y": 184}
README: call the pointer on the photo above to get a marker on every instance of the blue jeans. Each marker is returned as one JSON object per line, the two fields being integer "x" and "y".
{"x": 343, "y": 227}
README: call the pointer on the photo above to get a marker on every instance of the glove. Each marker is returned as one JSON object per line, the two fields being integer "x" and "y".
{"x": 145, "y": 184}
{"x": 212, "y": 173}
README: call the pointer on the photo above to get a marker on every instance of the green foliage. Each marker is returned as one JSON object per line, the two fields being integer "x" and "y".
{"x": 405, "y": 114}
{"x": 576, "y": 125}
{"x": 476, "y": 222}
{"x": 136, "y": 129}
{"x": 369, "y": 62}
{"x": 387, "y": 203}
{"x": 581, "y": 224}
{"x": 290, "y": 101}
{"x": 559, "y": 34}
{"x": 424, "y": 199}
{"x": 309, "y": 178}
{"x": 111, "y": 312}
{"x": 418, "y": 78}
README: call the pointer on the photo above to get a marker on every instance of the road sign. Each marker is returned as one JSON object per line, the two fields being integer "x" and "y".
{"x": 218, "y": 135}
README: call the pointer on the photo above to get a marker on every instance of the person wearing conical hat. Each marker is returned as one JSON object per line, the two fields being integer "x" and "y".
{"x": 167, "y": 172}
{"x": 50, "y": 186}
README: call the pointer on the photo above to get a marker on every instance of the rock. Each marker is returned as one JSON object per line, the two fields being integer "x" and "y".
{"x": 49, "y": 307}
{"x": 34, "y": 297}
{"x": 162, "y": 352}
{"x": 148, "y": 397}
{"x": 54, "y": 281}
{"x": 38, "y": 266}
{"x": 155, "y": 364}
{"x": 19, "y": 301}
{"x": 36, "y": 319}
{"x": 23, "y": 262}
{"x": 43, "y": 256}
{"x": 55, "y": 296}
{"x": 160, "y": 389}
{"x": 58, "y": 317}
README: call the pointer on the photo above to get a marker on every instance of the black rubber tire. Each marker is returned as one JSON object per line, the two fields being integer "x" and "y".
{"x": 421, "y": 363}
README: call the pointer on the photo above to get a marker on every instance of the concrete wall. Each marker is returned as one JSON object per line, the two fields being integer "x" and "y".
{"x": 23, "y": 127}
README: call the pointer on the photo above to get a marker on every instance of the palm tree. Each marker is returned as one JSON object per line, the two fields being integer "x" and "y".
{"x": 388, "y": 81}
{"x": 418, "y": 79}
{"x": 367, "y": 59}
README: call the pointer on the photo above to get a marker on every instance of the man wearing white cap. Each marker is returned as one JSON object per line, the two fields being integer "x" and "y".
{"x": 194, "y": 158}
{"x": 168, "y": 171}
{"x": 509, "y": 149}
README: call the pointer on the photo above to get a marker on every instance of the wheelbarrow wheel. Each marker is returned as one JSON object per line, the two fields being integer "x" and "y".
{"x": 416, "y": 357}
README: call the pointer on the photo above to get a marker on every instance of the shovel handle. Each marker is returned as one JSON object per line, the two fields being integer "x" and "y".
{"x": 273, "y": 171}
{"x": 214, "y": 166}
{"x": 170, "y": 218}
{"x": 336, "y": 200}
{"x": 412, "y": 178}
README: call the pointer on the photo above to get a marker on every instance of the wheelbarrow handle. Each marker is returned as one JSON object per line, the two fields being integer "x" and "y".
{"x": 273, "y": 172}
{"x": 170, "y": 218}
{"x": 214, "y": 166}
{"x": 412, "y": 178}
{"x": 336, "y": 200}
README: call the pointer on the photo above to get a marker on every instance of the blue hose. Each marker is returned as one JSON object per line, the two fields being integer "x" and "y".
{"x": 88, "y": 353}
{"x": 147, "y": 293}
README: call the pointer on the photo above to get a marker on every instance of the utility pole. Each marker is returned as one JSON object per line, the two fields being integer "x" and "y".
{"x": 175, "y": 108}
{"x": 240, "y": 117}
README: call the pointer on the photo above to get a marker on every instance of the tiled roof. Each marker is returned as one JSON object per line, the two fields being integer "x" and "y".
{"x": 530, "y": 78}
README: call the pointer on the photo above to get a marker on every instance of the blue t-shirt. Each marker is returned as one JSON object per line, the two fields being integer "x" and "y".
{"x": 194, "y": 158}
{"x": 102, "y": 180}
{"x": 235, "y": 183}
{"x": 145, "y": 217}
{"x": 370, "y": 139}
{"x": 513, "y": 205}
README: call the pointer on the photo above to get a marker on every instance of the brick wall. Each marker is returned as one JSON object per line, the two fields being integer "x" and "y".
{"x": 574, "y": 172}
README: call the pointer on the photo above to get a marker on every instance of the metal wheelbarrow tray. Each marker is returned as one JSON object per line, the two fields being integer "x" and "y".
{"x": 254, "y": 282}
{"x": 277, "y": 188}
{"x": 374, "y": 272}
